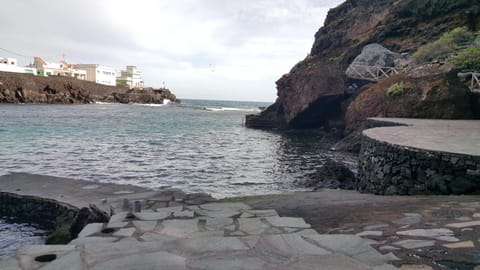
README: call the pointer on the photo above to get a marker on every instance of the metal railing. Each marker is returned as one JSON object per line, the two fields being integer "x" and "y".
{"x": 373, "y": 73}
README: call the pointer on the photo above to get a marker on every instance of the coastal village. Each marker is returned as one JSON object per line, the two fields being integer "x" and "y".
{"x": 131, "y": 77}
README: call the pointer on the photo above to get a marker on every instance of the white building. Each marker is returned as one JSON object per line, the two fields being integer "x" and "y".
{"x": 11, "y": 65}
{"x": 46, "y": 69}
{"x": 131, "y": 78}
{"x": 100, "y": 74}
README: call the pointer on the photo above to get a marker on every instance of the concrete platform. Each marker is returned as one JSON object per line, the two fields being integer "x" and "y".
{"x": 450, "y": 136}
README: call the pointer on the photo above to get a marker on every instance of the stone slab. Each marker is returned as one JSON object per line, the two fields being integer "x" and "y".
{"x": 116, "y": 225}
{"x": 126, "y": 232}
{"x": 145, "y": 226}
{"x": 332, "y": 261}
{"x": 70, "y": 261}
{"x": 409, "y": 219}
{"x": 91, "y": 229}
{"x": 252, "y": 225}
{"x": 184, "y": 214}
{"x": 237, "y": 261}
{"x": 290, "y": 244}
{"x": 441, "y": 234}
{"x": 156, "y": 260}
{"x": 223, "y": 206}
{"x": 211, "y": 244}
{"x": 460, "y": 225}
{"x": 92, "y": 239}
{"x": 465, "y": 244}
{"x": 179, "y": 228}
{"x": 119, "y": 217}
{"x": 370, "y": 233}
{"x": 288, "y": 222}
{"x": 413, "y": 244}
{"x": 149, "y": 216}
{"x": 342, "y": 243}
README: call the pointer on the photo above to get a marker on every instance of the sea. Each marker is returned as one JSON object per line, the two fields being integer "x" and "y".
{"x": 195, "y": 145}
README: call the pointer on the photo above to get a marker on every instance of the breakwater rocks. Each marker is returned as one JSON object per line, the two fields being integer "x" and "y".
{"x": 420, "y": 157}
{"x": 24, "y": 88}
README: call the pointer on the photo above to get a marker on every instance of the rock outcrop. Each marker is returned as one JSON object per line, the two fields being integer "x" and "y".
{"x": 311, "y": 94}
{"x": 24, "y": 88}
{"x": 332, "y": 175}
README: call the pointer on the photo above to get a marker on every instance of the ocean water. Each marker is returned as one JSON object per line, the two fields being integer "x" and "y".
{"x": 15, "y": 235}
{"x": 197, "y": 146}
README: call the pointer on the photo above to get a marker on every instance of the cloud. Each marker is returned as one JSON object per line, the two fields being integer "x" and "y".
{"x": 200, "y": 48}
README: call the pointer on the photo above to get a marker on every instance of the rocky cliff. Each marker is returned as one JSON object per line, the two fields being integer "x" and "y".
{"x": 24, "y": 88}
{"x": 316, "y": 92}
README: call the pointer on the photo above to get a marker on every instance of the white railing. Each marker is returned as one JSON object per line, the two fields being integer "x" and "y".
{"x": 373, "y": 73}
{"x": 475, "y": 83}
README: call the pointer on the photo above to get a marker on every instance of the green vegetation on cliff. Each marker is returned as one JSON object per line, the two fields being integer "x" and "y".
{"x": 467, "y": 59}
{"x": 443, "y": 47}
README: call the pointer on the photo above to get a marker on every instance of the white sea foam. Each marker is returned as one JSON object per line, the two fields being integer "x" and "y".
{"x": 165, "y": 102}
{"x": 103, "y": 103}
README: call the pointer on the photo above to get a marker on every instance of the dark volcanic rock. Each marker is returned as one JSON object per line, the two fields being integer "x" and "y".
{"x": 86, "y": 215}
{"x": 24, "y": 88}
{"x": 331, "y": 175}
{"x": 311, "y": 92}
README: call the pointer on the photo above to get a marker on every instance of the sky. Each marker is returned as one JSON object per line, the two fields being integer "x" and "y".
{"x": 203, "y": 49}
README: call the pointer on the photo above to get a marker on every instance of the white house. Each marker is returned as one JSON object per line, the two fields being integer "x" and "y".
{"x": 63, "y": 68}
{"x": 11, "y": 65}
{"x": 100, "y": 74}
{"x": 132, "y": 78}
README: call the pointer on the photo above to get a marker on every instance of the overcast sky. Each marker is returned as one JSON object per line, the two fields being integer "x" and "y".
{"x": 208, "y": 49}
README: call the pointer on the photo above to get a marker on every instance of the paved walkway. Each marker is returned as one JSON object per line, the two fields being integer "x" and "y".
{"x": 452, "y": 136}
{"x": 179, "y": 231}
{"x": 172, "y": 232}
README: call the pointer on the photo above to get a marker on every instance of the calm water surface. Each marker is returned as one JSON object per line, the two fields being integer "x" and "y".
{"x": 195, "y": 146}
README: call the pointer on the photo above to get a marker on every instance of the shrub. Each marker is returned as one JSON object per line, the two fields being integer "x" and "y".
{"x": 468, "y": 58}
{"x": 396, "y": 89}
{"x": 442, "y": 47}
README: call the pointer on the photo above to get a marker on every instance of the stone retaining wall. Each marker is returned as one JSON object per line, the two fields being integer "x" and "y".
{"x": 36, "y": 210}
{"x": 389, "y": 169}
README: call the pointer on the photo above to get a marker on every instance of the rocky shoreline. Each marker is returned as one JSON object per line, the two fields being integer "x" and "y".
{"x": 28, "y": 89}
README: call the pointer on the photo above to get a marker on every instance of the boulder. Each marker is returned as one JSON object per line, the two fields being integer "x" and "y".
{"x": 332, "y": 175}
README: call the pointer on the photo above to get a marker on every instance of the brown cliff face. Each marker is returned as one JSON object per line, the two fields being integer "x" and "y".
{"x": 24, "y": 88}
{"x": 305, "y": 96}
{"x": 306, "y": 83}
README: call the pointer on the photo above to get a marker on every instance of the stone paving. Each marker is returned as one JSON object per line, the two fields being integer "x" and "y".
{"x": 175, "y": 230}
{"x": 207, "y": 236}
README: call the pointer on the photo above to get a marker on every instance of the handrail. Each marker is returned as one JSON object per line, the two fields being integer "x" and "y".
{"x": 373, "y": 73}
{"x": 475, "y": 81}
